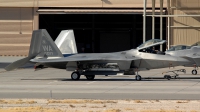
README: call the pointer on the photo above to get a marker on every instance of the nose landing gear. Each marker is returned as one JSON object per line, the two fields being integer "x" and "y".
{"x": 194, "y": 72}
{"x": 138, "y": 77}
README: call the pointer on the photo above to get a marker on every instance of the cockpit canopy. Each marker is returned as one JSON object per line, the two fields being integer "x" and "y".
{"x": 150, "y": 43}
{"x": 182, "y": 47}
{"x": 179, "y": 47}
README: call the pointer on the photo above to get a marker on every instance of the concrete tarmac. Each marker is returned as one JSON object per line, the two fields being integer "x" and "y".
{"x": 57, "y": 84}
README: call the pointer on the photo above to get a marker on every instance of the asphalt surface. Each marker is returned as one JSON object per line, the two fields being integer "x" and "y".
{"x": 56, "y": 83}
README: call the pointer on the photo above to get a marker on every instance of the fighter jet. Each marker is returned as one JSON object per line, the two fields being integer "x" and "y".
{"x": 189, "y": 52}
{"x": 45, "y": 53}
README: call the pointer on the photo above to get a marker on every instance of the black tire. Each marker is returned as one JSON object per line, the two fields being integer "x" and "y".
{"x": 194, "y": 72}
{"x": 169, "y": 77}
{"x": 75, "y": 76}
{"x": 138, "y": 77}
{"x": 165, "y": 76}
{"x": 90, "y": 77}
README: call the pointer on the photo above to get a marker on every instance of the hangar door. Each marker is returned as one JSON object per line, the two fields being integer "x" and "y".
{"x": 99, "y": 33}
{"x": 114, "y": 41}
{"x": 15, "y": 31}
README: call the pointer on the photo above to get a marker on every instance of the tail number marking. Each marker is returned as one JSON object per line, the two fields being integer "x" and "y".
{"x": 47, "y": 49}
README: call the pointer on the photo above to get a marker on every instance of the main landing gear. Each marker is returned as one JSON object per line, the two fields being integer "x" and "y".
{"x": 90, "y": 77}
{"x": 76, "y": 76}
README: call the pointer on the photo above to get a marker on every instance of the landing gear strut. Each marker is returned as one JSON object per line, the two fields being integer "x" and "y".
{"x": 138, "y": 77}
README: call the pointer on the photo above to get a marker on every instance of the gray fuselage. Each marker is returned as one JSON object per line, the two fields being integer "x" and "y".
{"x": 126, "y": 60}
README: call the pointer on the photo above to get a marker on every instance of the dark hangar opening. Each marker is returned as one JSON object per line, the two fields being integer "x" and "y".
{"x": 101, "y": 33}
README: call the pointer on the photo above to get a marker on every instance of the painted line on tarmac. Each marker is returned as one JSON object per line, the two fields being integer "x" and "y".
{"x": 52, "y": 82}
{"x": 91, "y": 82}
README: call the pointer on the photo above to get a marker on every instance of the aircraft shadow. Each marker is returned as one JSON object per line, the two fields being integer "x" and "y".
{"x": 99, "y": 80}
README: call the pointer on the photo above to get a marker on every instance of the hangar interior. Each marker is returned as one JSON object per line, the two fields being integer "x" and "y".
{"x": 101, "y": 33}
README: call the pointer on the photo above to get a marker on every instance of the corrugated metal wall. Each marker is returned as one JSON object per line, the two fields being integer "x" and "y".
{"x": 16, "y": 26}
{"x": 77, "y": 3}
{"x": 130, "y": 3}
{"x": 18, "y": 3}
{"x": 186, "y": 30}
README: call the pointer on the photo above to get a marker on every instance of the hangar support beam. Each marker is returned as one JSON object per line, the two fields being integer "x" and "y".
{"x": 144, "y": 20}
{"x": 153, "y": 19}
{"x": 35, "y": 19}
{"x": 161, "y": 23}
{"x": 168, "y": 23}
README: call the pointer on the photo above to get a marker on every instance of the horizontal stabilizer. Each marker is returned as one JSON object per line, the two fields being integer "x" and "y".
{"x": 17, "y": 63}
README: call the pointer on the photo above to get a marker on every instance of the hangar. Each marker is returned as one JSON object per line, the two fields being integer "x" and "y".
{"x": 99, "y": 25}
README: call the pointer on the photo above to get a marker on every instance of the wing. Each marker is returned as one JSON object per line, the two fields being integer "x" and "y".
{"x": 82, "y": 58}
{"x": 123, "y": 62}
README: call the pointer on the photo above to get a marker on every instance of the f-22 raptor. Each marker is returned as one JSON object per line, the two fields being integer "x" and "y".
{"x": 45, "y": 53}
{"x": 191, "y": 53}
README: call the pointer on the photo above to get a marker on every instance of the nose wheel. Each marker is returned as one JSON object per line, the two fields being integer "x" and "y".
{"x": 194, "y": 72}
{"x": 138, "y": 77}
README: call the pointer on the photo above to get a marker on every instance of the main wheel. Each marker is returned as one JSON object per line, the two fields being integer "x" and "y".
{"x": 90, "y": 77}
{"x": 194, "y": 72}
{"x": 138, "y": 77}
{"x": 75, "y": 76}
{"x": 165, "y": 76}
{"x": 169, "y": 77}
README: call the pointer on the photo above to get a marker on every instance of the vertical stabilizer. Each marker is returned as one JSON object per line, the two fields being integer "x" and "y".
{"x": 43, "y": 45}
{"x": 66, "y": 42}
